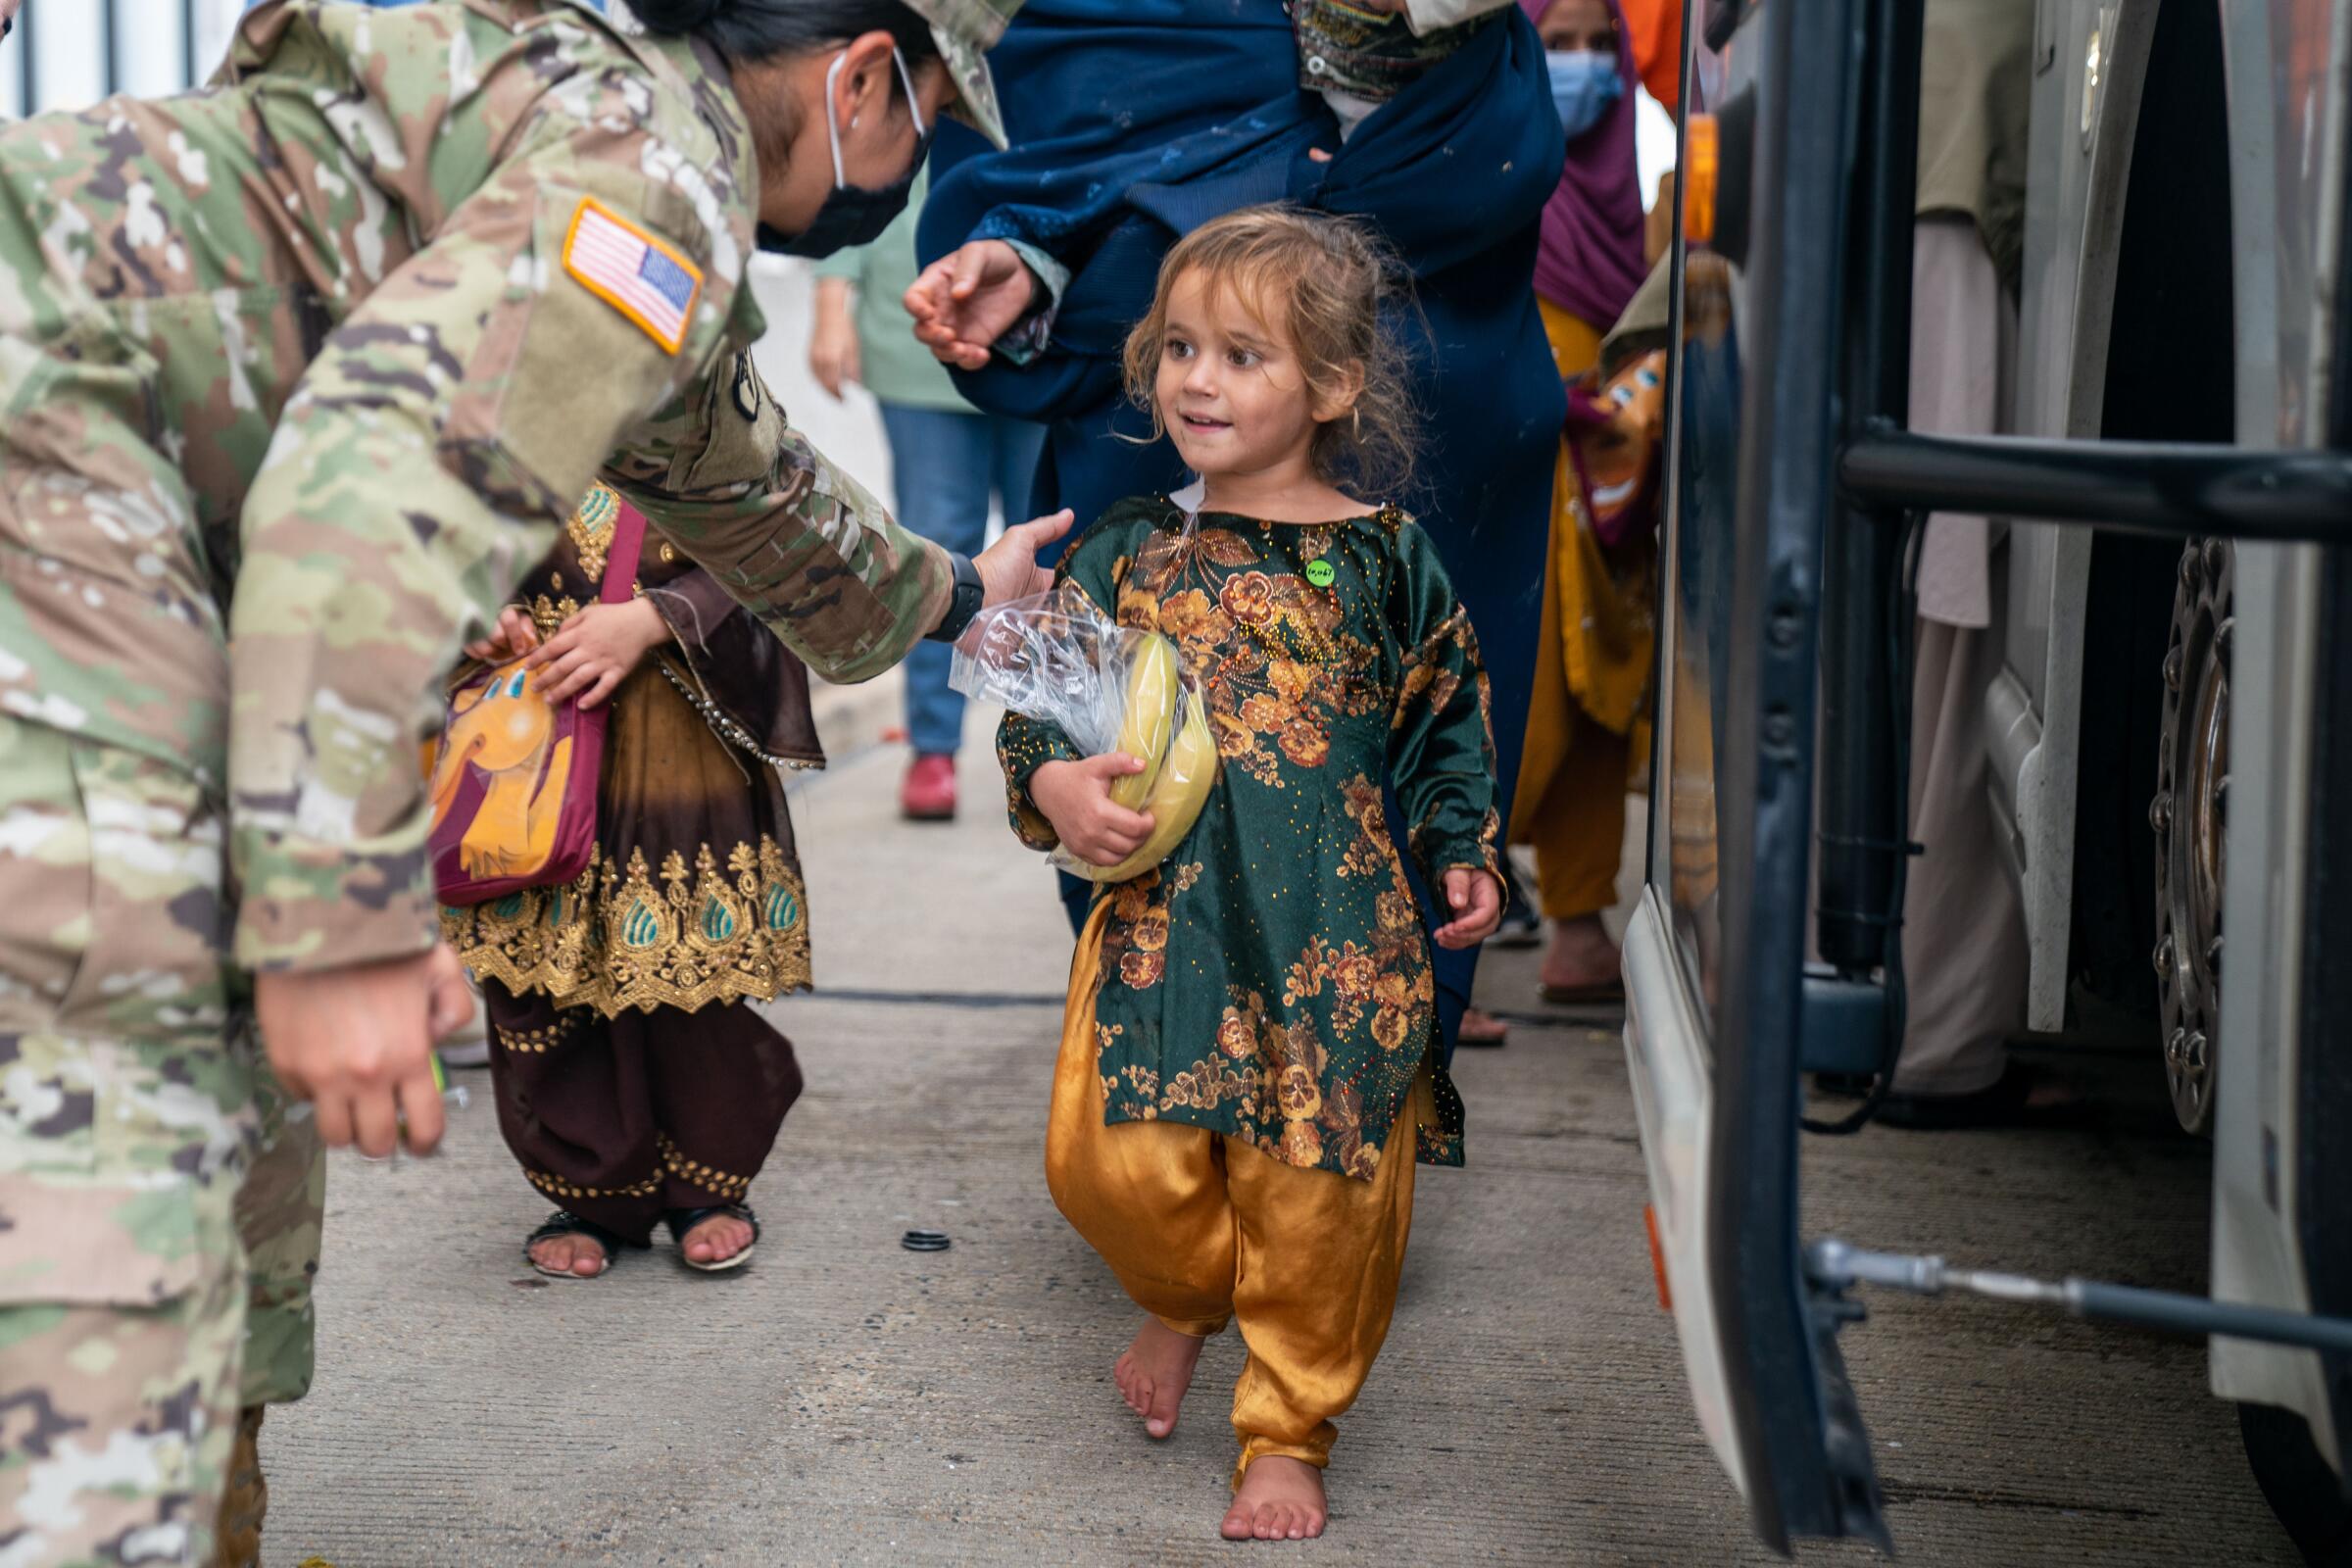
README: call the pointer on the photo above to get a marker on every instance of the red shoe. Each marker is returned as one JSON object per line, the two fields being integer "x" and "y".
{"x": 928, "y": 794}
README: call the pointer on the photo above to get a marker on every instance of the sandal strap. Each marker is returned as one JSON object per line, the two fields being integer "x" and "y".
{"x": 563, "y": 1222}
{"x": 682, "y": 1220}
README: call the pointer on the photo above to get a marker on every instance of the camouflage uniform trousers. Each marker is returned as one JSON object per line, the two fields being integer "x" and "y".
{"x": 280, "y": 1211}
{"x": 138, "y": 1136}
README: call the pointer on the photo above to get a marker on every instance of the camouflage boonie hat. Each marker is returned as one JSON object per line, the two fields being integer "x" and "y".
{"x": 965, "y": 30}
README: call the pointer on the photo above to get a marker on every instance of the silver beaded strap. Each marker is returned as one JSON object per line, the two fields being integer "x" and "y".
{"x": 723, "y": 725}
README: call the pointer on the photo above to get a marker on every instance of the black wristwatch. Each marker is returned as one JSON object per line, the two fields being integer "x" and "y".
{"x": 963, "y": 603}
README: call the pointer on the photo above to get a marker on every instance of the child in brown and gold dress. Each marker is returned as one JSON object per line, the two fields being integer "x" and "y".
{"x": 636, "y": 1081}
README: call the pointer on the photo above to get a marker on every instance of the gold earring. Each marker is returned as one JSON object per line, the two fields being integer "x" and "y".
{"x": 1357, "y": 422}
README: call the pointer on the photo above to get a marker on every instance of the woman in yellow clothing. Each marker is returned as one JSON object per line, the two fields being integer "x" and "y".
{"x": 1593, "y": 675}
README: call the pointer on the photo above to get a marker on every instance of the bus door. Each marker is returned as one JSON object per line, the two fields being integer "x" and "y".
{"x": 1715, "y": 954}
{"x": 1765, "y": 942}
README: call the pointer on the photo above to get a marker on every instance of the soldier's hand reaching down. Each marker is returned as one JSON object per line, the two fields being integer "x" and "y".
{"x": 1009, "y": 568}
{"x": 356, "y": 1043}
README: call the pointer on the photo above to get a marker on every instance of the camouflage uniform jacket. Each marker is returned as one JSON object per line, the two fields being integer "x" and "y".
{"x": 325, "y": 353}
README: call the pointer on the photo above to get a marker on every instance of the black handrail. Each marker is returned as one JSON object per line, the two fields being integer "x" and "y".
{"x": 2171, "y": 490}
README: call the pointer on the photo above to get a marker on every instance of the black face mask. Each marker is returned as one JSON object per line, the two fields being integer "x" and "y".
{"x": 853, "y": 215}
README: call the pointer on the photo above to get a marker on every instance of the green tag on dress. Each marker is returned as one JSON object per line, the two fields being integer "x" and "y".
{"x": 1319, "y": 573}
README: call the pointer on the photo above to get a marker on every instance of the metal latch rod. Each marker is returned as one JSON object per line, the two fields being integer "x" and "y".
{"x": 1835, "y": 1265}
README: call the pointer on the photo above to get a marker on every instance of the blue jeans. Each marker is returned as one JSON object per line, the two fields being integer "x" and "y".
{"x": 948, "y": 464}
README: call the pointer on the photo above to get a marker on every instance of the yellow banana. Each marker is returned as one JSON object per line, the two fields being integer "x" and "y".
{"x": 1179, "y": 790}
{"x": 1152, "y": 690}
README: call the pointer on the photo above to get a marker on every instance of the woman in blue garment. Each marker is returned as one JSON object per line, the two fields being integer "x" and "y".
{"x": 1133, "y": 122}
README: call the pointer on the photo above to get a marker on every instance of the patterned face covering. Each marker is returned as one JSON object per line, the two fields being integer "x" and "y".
{"x": 1344, "y": 48}
{"x": 1584, "y": 85}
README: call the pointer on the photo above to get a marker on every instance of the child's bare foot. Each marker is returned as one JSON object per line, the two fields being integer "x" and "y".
{"x": 1281, "y": 1498}
{"x": 1155, "y": 1373}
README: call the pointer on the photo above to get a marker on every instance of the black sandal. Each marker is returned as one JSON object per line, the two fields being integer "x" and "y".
{"x": 562, "y": 1222}
{"x": 682, "y": 1220}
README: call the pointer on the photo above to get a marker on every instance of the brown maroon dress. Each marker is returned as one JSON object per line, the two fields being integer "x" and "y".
{"x": 633, "y": 1072}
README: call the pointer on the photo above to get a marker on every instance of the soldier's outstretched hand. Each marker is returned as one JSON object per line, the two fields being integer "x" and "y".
{"x": 1009, "y": 568}
{"x": 358, "y": 1042}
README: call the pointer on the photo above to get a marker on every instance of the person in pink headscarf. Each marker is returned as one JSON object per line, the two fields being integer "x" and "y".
{"x": 1590, "y": 260}
{"x": 1593, "y": 674}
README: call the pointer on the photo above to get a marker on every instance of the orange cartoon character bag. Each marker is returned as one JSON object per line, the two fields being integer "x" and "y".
{"x": 514, "y": 778}
{"x": 1616, "y": 429}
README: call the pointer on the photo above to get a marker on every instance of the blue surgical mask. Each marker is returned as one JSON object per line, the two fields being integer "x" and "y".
{"x": 1583, "y": 86}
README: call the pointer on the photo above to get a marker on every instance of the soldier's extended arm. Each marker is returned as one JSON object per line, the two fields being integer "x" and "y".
{"x": 416, "y": 473}
{"x": 802, "y": 545}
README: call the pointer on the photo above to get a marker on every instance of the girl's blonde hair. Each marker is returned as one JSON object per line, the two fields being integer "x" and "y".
{"x": 1322, "y": 282}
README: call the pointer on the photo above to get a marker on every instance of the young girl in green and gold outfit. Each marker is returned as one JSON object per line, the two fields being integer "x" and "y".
{"x": 637, "y": 1083}
{"x": 1250, "y": 1065}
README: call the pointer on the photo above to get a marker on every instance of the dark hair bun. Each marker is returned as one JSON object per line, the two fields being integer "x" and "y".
{"x": 676, "y": 15}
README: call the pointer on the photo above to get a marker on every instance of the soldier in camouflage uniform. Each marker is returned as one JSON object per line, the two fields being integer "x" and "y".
{"x": 300, "y": 374}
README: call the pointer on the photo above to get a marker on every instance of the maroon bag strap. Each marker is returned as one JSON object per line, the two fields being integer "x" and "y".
{"x": 621, "y": 566}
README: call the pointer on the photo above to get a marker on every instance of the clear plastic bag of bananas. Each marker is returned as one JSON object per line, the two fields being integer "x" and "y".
{"x": 1057, "y": 659}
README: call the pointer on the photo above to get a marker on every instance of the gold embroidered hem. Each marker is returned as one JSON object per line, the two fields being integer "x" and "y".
{"x": 707, "y": 1177}
{"x": 539, "y": 1042}
{"x": 556, "y": 1186}
{"x": 674, "y": 1162}
{"x": 611, "y": 940}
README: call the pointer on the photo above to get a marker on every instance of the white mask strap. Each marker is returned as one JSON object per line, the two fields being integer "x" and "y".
{"x": 833, "y": 129}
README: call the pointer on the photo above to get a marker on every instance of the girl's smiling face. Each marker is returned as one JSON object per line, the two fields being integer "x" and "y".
{"x": 1230, "y": 386}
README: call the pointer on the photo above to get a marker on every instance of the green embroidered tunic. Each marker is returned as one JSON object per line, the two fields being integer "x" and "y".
{"x": 1272, "y": 979}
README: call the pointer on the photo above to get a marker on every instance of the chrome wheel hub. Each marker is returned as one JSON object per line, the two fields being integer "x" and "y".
{"x": 2190, "y": 814}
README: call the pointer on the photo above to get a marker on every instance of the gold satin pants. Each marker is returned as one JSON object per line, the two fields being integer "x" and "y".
{"x": 1202, "y": 1228}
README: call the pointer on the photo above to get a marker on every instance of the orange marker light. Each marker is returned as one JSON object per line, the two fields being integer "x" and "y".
{"x": 1702, "y": 161}
{"x": 1657, "y": 1257}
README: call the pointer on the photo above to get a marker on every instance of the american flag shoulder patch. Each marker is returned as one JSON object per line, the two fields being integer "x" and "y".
{"x": 646, "y": 280}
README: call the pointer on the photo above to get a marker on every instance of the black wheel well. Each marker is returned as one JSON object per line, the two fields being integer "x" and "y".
{"x": 2171, "y": 376}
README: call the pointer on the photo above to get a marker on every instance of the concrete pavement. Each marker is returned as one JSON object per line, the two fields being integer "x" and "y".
{"x": 845, "y": 1400}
